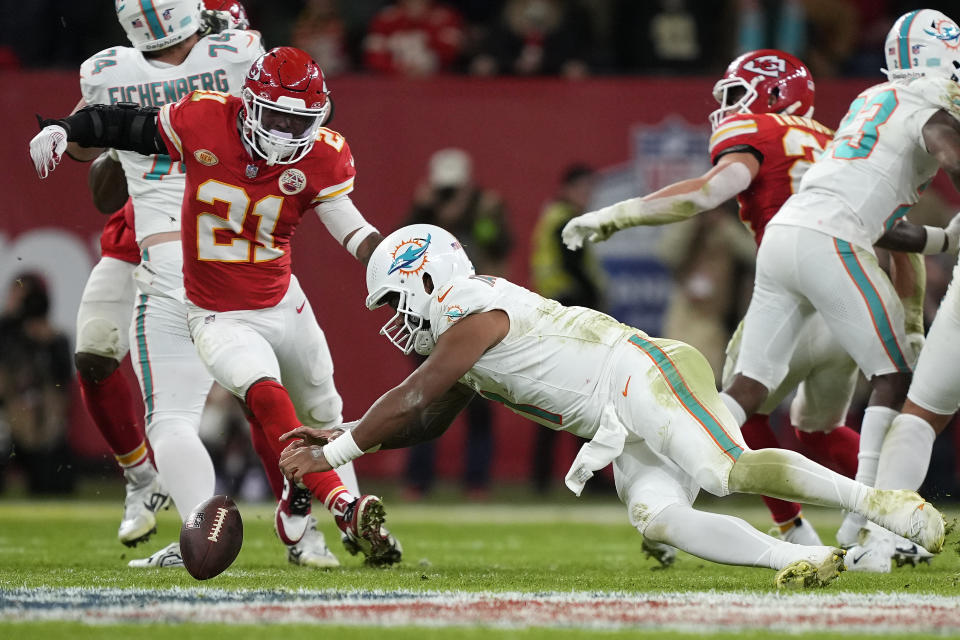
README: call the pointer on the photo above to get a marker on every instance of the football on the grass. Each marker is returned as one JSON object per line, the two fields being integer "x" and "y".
{"x": 211, "y": 537}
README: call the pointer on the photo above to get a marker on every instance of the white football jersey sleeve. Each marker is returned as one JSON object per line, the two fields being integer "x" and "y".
{"x": 551, "y": 365}
{"x": 122, "y": 74}
{"x": 875, "y": 168}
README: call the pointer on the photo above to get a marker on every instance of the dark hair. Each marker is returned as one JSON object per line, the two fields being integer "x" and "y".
{"x": 575, "y": 172}
{"x": 35, "y": 302}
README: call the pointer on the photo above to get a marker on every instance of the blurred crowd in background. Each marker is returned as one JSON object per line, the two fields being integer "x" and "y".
{"x": 573, "y": 38}
{"x": 709, "y": 257}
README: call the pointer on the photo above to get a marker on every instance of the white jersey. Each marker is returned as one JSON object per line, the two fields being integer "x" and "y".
{"x": 122, "y": 74}
{"x": 876, "y": 166}
{"x": 551, "y": 364}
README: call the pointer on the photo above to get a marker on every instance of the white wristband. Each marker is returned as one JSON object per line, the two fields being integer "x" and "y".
{"x": 358, "y": 237}
{"x": 936, "y": 241}
{"x": 342, "y": 450}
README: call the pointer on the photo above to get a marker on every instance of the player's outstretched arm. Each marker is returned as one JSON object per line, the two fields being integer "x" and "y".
{"x": 397, "y": 413}
{"x": 732, "y": 174}
{"x": 120, "y": 126}
{"x": 915, "y": 238}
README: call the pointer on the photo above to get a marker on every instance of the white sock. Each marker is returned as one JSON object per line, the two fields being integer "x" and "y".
{"x": 876, "y": 422}
{"x": 905, "y": 456}
{"x": 873, "y": 429}
{"x": 349, "y": 477}
{"x": 183, "y": 463}
{"x": 734, "y": 407}
{"x": 725, "y": 539}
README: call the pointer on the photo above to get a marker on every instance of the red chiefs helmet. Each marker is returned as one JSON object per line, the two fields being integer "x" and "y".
{"x": 286, "y": 102}
{"x": 232, "y": 10}
{"x": 764, "y": 81}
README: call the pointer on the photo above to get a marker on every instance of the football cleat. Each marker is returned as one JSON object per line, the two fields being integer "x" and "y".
{"x": 311, "y": 550}
{"x": 873, "y": 551}
{"x": 906, "y": 513}
{"x": 292, "y": 516}
{"x": 800, "y": 531}
{"x": 659, "y": 551}
{"x": 363, "y": 532}
{"x": 167, "y": 557}
{"x": 804, "y": 574}
{"x": 849, "y": 532}
{"x": 144, "y": 498}
{"x": 868, "y": 558}
{"x": 909, "y": 553}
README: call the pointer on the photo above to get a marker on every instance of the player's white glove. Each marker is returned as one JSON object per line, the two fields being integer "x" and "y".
{"x": 588, "y": 226}
{"x": 953, "y": 234}
{"x": 47, "y": 149}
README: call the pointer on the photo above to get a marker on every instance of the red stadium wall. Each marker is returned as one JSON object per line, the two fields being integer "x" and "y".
{"x": 521, "y": 134}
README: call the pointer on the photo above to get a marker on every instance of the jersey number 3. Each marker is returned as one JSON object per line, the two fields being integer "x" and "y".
{"x": 868, "y": 116}
{"x": 220, "y": 239}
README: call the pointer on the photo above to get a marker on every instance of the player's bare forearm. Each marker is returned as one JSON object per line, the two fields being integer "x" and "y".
{"x": 905, "y": 236}
{"x": 392, "y": 418}
{"x": 433, "y": 420}
{"x": 365, "y": 250}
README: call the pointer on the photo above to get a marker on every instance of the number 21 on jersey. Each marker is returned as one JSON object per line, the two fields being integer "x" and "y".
{"x": 220, "y": 239}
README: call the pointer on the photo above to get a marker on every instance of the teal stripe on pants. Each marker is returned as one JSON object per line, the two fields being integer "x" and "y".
{"x": 686, "y": 397}
{"x": 881, "y": 321}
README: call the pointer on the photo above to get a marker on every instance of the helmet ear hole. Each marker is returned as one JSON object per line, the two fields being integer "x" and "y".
{"x": 427, "y": 283}
{"x": 774, "y": 96}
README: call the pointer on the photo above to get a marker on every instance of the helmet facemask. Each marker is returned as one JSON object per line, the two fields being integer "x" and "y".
{"x": 284, "y": 131}
{"x": 734, "y": 95}
{"x": 407, "y": 329}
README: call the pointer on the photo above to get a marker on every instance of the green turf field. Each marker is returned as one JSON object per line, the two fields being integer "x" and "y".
{"x": 528, "y": 547}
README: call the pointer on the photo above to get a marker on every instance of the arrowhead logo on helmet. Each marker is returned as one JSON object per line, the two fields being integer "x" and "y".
{"x": 764, "y": 81}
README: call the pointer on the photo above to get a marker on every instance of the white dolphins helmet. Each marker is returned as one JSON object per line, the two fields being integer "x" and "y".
{"x": 158, "y": 24}
{"x": 396, "y": 269}
{"x": 923, "y": 43}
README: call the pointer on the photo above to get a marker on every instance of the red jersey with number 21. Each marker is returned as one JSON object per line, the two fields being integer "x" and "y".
{"x": 788, "y": 146}
{"x": 239, "y": 213}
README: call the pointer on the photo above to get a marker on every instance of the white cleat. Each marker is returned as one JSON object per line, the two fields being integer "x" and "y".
{"x": 909, "y": 515}
{"x": 144, "y": 498}
{"x": 292, "y": 516}
{"x": 167, "y": 557}
{"x": 813, "y": 573}
{"x": 873, "y": 552}
{"x": 801, "y": 532}
{"x": 311, "y": 550}
{"x": 663, "y": 553}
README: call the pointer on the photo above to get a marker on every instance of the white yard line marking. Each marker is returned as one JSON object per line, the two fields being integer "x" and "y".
{"x": 701, "y": 612}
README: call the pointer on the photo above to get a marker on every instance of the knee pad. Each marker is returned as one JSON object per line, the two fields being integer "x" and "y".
{"x": 327, "y": 413}
{"x": 102, "y": 337}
